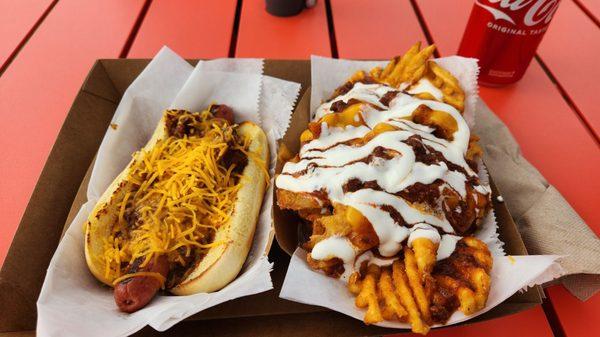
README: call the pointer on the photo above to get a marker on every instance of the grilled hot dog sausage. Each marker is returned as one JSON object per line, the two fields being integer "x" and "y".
{"x": 134, "y": 293}
{"x": 222, "y": 111}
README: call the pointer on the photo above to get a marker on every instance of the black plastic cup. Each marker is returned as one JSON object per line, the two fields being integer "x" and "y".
{"x": 285, "y": 7}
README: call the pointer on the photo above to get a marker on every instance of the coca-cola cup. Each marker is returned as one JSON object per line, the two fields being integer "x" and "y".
{"x": 504, "y": 35}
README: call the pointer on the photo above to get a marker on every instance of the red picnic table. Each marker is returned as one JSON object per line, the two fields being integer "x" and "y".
{"x": 48, "y": 46}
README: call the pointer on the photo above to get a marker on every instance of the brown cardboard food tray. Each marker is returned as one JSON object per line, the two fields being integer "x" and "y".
{"x": 61, "y": 190}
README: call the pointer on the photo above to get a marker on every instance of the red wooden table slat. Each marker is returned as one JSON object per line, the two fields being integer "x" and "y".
{"x": 531, "y": 323}
{"x": 264, "y": 35}
{"x": 18, "y": 18}
{"x": 368, "y": 30}
{"x": 446, "y": 23}
{"x": 552, "y": 138}
{"x": 38, "y": 88}
{"x": 593, "y": 6}
{"x": 192, "y": 28}
{"x": 578, "y": 319}
{"x": 385, "y": 30}
{"x": 570, "y": 49}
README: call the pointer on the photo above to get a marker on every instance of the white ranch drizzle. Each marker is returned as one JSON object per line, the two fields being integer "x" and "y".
{"x": 326, "y": 164}
{"x": 424, "y": 85}
{"x": 423, "y": 231}
{"x": 447, "y": 242}
{"x": 368, "y": 93}
{"x": 334, "y": 135}
{"x": 336, "y": 246}
{"x": 447, "y": 246}
{"x": 373, "y": 259}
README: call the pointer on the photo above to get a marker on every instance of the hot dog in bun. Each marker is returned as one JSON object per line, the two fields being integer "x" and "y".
{"x": 182, "y": 215}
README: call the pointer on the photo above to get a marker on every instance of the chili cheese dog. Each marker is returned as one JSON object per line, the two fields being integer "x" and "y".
{"x": 182, "y": 214}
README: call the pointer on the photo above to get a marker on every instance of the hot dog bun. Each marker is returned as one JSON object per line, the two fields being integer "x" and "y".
{"x": 221, "y": 264}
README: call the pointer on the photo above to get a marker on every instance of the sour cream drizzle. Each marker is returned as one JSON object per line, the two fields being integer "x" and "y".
{"x": 425, "y": 86}
{"x": 327, "y": 164}
{"x": 336, "y": 247}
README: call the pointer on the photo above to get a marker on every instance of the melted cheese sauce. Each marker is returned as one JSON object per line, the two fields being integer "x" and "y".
{"x": 326, "y": 164}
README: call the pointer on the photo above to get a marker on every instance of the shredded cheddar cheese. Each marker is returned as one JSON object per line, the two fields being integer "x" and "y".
{"x": 180, "y": 196}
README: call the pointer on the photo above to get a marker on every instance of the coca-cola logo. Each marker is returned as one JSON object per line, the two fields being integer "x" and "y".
{"x": 539, "y": 11}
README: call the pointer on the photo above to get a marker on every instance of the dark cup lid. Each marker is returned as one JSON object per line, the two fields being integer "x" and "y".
{"x": 285, "y": 7}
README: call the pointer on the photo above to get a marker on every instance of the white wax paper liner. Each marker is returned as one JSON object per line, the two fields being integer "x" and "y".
{"x": 509, "y": 274}
{"x": 72, "y": 301}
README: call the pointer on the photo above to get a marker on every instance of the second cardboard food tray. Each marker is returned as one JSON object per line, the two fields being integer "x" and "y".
{"x": 62, "y": 187}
